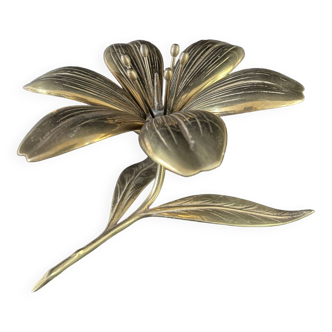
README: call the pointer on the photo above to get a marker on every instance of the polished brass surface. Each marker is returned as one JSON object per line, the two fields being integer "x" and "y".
{"x": 86, "y": 86}
{"x": 132, "y": 75}
{"x": 175, "y": 49}
{"x": 130, "y": 184}
{"x": 184, "y": 57}
{"x": 185, "y": 143}
{"x": 184, "y": 134}
{"x": 168, "y": 74}
{"x": 157, "y": 104}
{"x": 112, "y": 56}
{"x": 145, "y": 53}
{"x": 125, "y": 59}
{"x": 246, "y": 91}
{"x": 140, "y": 213}
{"x": 73, "y": 127}
{"x": 209, "y": 61}
{"x": 226, "y": 210}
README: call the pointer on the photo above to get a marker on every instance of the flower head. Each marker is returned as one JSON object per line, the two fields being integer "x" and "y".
{"x": 184, "y": 132}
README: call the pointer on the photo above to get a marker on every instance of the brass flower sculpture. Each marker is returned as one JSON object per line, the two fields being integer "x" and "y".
{"x": 184, "y": 134}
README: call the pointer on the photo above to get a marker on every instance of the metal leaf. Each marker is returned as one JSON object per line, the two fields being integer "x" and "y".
{"x": 209, "y": 61}
{"x": 86, "y": 86}
{"x": 112, "y": 57}
{"x": 226, "y": 210}
{"x": 185, "y": 143}
{"x": 130, "y": 184}
{"x": 69, "y": 128}
{"x": 247, "y": 91}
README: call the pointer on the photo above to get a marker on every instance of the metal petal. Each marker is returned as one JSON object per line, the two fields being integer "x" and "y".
{"x": 130, "y": 184}
{"x": 209, "y": 61}
{"x": 73, "y": 127}
{"x": 226, "y": 210}
{"x": 185, "y": 143}
{"x": 246, "y": 91}
{"x": 86, "y": 86}
{"x": 112, "y": 57}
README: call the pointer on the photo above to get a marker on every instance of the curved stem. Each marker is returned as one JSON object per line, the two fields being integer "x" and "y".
{"x": 157, "y": 185}
{"x": 107, "y": 234}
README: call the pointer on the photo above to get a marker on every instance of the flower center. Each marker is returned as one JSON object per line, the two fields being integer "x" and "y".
{"x": 159, "y": 108}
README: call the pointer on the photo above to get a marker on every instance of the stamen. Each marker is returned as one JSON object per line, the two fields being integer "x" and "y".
{"x": 125, "y": 59}
{"x": 132, "y": 75}
{"x": 157, "y": 93}
{"x": 145, "y": 53}
{"x": 175, "y": 49}
{"x": 168, "y": 74}
{"x": 184, "y": 57}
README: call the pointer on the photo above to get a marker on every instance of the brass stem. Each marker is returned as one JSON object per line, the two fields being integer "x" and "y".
{"x": 154, "y": 193}
{"x": 107, "y": 234}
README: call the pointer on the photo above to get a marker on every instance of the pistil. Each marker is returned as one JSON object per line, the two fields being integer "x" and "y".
{"x": 168, "y": 74}
{"x": 157, "y": 102}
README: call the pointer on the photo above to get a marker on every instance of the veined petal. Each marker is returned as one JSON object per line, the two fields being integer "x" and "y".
{"x": 185, "y": 143}
{"x": 70, "y": 128}
{"x": 86, "y": 86}
{"x": 112, "y": 57}
{"x": 209, "y": 61}
{"x": 246, "y": 91}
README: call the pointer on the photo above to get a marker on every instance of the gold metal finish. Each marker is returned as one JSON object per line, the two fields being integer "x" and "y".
{"x": 140, "y": 213}
{"x": 112, "y": 56}
{"x": 185, "y": 143}
{"x": 145, "y": 53}
{"x": 209, "y": 62}
{"x": 184, "y": 57}
{"x": 168, "y": 74}
{"x": 175, "y": 49}
{"x": 247, "y": 91}
{"x": 86, "y": 86}
{"x": 226, "y": 210}
{"x": 125, "y": 60}
{"x": 131, "y": 183}
{"x": 73, "y": 127}
{"x": 185, "y": 135}
{"x": 157, "y": 104}
{"x": 132, "y": 75}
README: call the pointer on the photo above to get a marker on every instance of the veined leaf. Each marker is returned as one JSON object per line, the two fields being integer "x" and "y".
{"x": 226, "y": 210}
{"x": 131, "y": 183}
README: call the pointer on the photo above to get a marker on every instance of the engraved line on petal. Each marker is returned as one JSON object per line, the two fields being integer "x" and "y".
{"x": 184, "y": 117}
{"x": 159, "y": 134}
{"x": 197, "y": 120}
{"x": 208, "y": 121}
{"x": 169, "y": 129}
{"x": 185, "y": 132}
{"x": 212, "y": 64}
